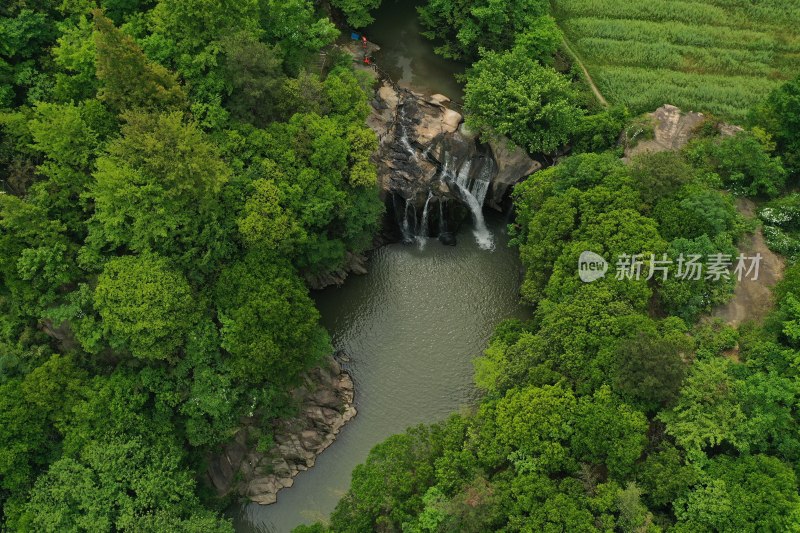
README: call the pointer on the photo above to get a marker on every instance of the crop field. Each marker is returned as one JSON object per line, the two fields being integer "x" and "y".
{"x": 715, "y": 56}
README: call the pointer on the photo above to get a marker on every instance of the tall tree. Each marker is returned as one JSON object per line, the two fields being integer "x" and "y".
{"x": 269, "y": 324}
{"x": 130, "y": 80}
{"x": 158, "y": 189}
{"x": 509, "y": 93}
{"x": 146, "y": 307}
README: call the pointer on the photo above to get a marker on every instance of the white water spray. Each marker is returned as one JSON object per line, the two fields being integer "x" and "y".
{"x": 423, "y": 236}
{"x": 483, "y": 236}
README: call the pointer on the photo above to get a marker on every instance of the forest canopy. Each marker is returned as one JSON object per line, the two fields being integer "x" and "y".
{"x": 168, "y": 187}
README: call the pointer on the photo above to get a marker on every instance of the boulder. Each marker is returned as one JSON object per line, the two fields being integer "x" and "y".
{"x": 447, "y": 238}
{"x": 513, "y": 165}
{"x": 672, "y": 129}
{"x": 438, "y": 99}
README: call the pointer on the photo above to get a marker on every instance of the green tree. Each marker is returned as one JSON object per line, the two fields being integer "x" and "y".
{"x": 269, "y": 324}
{"x": 649, "y": 367}
{"x": 357, "y": 12}
{"x": 389, "y": 489}
{"x": 129, "y": 80}
{"x": 69, "y": 136}
{"x": 665, "y": 476}
{"x": 660, "y": 175}
{"x": 510, "y": 94}
{"x": 298, "y": 31}
{"x": 747, "y": 494}
{"x": 38, "y": 258}
{"x": 535, "y": 424}
{"x": 157, "y": 190}
{"x": 708, "y": 412}
{"x": 146, "y": 307}
{"x": 254, "y": 72}
{"x": 193, "y": 25}
{"x": 33, "y": 411}
{"x": 465, "y": 26}
{"x": 744, "y": 162}
{"x": 688, "y": 298}
{"x": 780, "y": 116}
{"x": 118, "y": 484}
{"x": 608, "y": 432}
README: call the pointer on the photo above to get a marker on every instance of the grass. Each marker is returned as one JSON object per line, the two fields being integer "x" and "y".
{"x": 714, "y": 56}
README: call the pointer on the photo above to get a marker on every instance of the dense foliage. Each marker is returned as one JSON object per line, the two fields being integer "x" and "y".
{"x": 170, "y": 173}
{"x": 513, "y": 95}
{"x": 173, "y": 172}
{"x": 463, "y": 27}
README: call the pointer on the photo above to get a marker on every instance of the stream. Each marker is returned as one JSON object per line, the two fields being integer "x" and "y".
{"x": 411, "y": 328}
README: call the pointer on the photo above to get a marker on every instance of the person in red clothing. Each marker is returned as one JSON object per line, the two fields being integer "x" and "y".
{"x": 364, "y": 41}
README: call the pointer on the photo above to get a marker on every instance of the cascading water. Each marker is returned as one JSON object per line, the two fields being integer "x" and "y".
{"x": 423, "y": 236}
{"x": 473, "y": 196}
{"x": 463, "y": 175}
{"x": 404, "y": 141}
{"x": 466, "y": 167}
{"x": 483, "y": 236}
{"x": 408, "y": 232}
{"x": 480, "y": 186}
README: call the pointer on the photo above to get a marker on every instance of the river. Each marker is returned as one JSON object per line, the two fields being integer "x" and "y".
{"x": 411, "y": 328}
{"x": 407, "y": 56}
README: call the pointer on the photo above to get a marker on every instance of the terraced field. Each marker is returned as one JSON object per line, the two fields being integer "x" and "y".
{"x": 717, "y": 56}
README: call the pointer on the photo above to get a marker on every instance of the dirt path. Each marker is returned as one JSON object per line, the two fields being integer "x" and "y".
{"x": 752, "y": 300}
{"x": 589, "y": 79}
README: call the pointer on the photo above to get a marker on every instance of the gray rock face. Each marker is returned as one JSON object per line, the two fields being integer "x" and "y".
{"x": 326, "y": 405}
{"x": 513, "y": 164}
{"x": 354, "y": 264}
{"x": 674, "y": 128}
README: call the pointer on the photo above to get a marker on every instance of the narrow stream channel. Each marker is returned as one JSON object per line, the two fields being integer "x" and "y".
{"x": 411, "y": 328}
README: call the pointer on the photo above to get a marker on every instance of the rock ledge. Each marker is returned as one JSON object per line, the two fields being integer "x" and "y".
{"x": 326, "y": 405}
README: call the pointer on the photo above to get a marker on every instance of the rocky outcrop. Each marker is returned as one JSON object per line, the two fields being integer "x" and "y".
{"x": 672, "y": 130}
{"x": 325, "y": 405}
{"x": 513, "y": 164}
{"x": 420, "y": 137}
{"x": 354, "y": 264}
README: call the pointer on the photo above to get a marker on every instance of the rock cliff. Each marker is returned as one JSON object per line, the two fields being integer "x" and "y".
{"x": 325, "y": 405}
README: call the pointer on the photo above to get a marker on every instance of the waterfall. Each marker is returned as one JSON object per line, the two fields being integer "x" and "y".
{"x": 482, "y": 234}
{"x": 479, "y": 189}
{"x": 408, "y": 233}
{"x": 422, "y": 236}
{"x": 424, "y": 232}
{"x": 401, "y": 117}
{"x": 481, "y": 184}
{"x": 463, "y": 175}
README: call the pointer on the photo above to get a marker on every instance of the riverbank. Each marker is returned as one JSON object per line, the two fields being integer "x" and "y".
{"x": 325, "y": 404}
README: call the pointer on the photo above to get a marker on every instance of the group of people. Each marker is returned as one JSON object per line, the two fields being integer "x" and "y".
{"x": 367, "y": 59}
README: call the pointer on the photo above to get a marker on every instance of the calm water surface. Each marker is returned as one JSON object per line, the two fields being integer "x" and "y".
{"x": 407, "y": 56}
{"x": 411, "y": 328}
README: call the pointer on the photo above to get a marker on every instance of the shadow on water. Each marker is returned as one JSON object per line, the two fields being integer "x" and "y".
{"x": 411, "y": 328}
